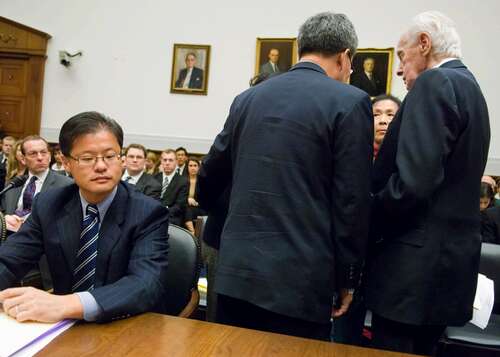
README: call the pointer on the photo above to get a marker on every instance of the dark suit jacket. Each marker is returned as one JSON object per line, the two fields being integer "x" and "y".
{"x": 175, "y": 197}
{"x": 298, "y": 151}
{"x": 490, "y": 225}
{"x": 149, "y": 186}
{"x": 373, "y": 87}
{"x": 8, "y": 202}
{"x": 3, "y": 170}
{"x": 196, "y": 81}
{"x": 423, "y": 268}
{"x": 132, "y": 249}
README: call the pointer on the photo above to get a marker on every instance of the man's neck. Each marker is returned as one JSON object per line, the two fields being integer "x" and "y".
{"x": 327, "y": 63}
{"x": 134, "y": 173}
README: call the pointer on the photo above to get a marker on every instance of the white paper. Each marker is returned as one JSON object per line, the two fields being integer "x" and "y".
{"x": 483, "y": 301}
{"x": 37, "y": 346}
{"x": 16, "y": 335}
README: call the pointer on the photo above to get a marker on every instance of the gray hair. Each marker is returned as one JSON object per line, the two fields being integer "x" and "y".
{"x": 441, "y": 29}
{"x": 327, "y": 33}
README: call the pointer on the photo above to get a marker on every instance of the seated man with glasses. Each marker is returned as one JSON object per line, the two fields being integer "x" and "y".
{"x": 16, "y": 203}
{"x": 106, "y": 244}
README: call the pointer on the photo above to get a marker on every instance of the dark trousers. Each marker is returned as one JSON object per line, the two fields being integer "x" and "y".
{"x": 236, "y": 312}
{"x": 396, "y": 336}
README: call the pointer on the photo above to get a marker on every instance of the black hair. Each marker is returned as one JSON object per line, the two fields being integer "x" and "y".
{"x": 386, "y": 97}
{"x": 87, "y": 123}
{"x": 181, "y": 149}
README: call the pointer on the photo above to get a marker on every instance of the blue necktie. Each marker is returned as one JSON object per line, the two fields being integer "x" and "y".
{"x": 83, "y": 276}
{"x": 28, "y": 194}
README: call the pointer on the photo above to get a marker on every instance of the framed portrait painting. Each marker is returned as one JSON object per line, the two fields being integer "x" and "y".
{"x": 372, "y": 70}
{"x": 275, "y": 55}
{"x": 190, "y": 67}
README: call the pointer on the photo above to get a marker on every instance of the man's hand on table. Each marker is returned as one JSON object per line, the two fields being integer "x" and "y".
{"x": 30, "y": 304}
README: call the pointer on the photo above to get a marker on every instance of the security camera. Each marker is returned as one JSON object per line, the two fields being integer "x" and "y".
{"x": 65, "y": 57}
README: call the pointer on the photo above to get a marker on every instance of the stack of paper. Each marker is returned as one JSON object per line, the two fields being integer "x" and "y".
{"x": 27, "y": 338}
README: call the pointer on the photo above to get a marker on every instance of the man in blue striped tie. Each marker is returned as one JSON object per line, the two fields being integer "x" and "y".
{"x": 106, "y": 244}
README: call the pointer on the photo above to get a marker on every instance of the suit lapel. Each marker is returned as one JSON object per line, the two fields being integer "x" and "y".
{"x": 110, "y": 232}
{"x": 141, "y": 183}
{"x": 69, "y": 226}
{"x": 49, "y": 181}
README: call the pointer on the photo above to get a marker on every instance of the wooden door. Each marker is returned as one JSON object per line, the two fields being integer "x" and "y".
{"x": 13, "y": 91}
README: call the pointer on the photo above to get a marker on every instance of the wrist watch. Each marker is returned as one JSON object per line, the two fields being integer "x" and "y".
{"x": 351, "y": 291}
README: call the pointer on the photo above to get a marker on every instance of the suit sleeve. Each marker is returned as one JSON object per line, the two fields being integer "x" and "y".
{"x": 22, "y": 250}
{"x": 216, "y": 170}
{"x": 429, "y": 127}
{"x": 179, "y": 207}
{"x": 352, "y": 155}
{"x": 153, "y": 189}
{"x": 143, "y": 287}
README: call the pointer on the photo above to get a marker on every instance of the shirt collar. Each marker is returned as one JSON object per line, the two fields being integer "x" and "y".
{"x": 134, "y": 177}
{"x": 41, "y": 176}
{"x": 447, "y": 59}
{"x": 170, "y": 177}
{"x": 101, "y": 206}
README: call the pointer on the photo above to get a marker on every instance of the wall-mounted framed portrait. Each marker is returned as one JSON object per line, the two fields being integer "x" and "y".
{"x": 275, "y": 55}
{"x": 372, "y": 70}
{"x": 190, "y": 65}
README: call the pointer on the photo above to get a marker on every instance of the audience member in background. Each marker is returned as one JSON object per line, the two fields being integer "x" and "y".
{"x": 58, "y": 166}
{"x": 174, "y": 187}
{"x": 152, "y": 163}
{"x": 294, "y": 235}
{"x": 135, "y": 162}
{"x": 385, "y": 107}
{"x": 490, "y": 180}
{"x": 486, "y": 196}
{"x": 193, "y": 209}
{"x": 7, "y": 146}
{"x": 181, "y": 156}
{"x": 106, "y": 244}
{"x": 490, "y": 225}
{"x": 15, "y": 164}
{"x": 422, "y": 269}
{"x": 16, "y": 203}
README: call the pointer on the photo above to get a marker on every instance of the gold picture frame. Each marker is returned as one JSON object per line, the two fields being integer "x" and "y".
{"x": 196, "y": 58}
{"x": 380, "y": 60}
{"x": 287, "y": 54}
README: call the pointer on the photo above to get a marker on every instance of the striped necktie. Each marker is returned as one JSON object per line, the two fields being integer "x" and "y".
{"x": 164, "y": 186}
{"x": 83, "y": 276}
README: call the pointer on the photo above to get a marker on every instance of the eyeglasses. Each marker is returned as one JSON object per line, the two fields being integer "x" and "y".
{"x": 90, "y": 160}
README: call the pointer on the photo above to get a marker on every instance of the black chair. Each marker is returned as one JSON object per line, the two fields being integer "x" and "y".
{"x": 470, "y": 340}
{"x": 184, "y": 266}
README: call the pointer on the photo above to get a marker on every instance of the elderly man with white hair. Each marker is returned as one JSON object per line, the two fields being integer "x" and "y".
{"x": 422, "y": 268}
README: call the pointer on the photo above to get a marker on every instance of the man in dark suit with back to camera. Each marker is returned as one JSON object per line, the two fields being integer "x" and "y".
{"x": 190, "y": 77}
{"x": 422, "y": 269}
{"x": 135, "y": 161}
{"x": 294, "y": 235}
{"x": 106, "y": 244}
{"x": 174, "y": 192}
